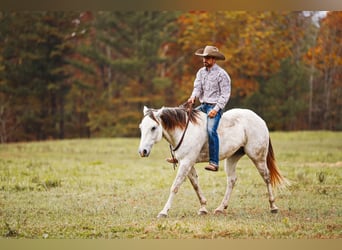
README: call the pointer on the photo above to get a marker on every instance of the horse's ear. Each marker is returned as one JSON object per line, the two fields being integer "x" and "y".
{"x": 159, "y": 112}
{"x": 145, "y": 110}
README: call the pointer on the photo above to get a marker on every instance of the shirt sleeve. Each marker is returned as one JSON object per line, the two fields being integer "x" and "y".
{"x": 225, "y": 87}
{"x": 197, "y": 91}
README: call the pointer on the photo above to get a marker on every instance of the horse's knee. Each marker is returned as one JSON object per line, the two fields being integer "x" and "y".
{"x": 178, "y": 182}
{"x": 175, "y": 189}
{"x": 232, "y": 181}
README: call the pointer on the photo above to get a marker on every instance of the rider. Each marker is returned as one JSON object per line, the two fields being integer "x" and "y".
{"x": 212, "y": 87}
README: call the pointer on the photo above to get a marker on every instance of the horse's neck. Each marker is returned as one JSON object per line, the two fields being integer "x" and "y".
{"x": 174, "y": 136}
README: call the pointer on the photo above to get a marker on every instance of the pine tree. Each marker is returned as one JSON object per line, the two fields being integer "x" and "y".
{"x": 124, "y": 49}
{"x": 35, "y": 76}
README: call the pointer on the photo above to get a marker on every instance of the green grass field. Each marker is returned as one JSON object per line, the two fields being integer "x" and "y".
{"x": 101, "y": 188}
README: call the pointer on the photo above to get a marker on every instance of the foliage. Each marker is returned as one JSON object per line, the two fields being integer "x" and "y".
{"x": 100, "y": 188}
{"x": 35, "y": 73}
{"x": 88, "y": 74}
{"x": 125, "y": 51}
{"x": 326, "y": 58}
{"x": 283, "y": 97}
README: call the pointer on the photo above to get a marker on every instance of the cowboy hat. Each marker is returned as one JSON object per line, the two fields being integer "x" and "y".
{"x": 210, "y": 51}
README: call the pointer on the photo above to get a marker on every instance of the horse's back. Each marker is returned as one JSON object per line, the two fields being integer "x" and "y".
{"x": 239, "y": 128}
{"x": 243, "y": 117}
{"x": 244, "y": 126}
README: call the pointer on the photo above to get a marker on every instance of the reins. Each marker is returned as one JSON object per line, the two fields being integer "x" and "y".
{"x": 172, "y": 150}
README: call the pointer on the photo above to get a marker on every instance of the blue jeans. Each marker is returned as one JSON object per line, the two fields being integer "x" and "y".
{"x": 213, "y": 139}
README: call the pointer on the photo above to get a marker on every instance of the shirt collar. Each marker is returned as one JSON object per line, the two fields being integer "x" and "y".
{"x": 213, "y": 68}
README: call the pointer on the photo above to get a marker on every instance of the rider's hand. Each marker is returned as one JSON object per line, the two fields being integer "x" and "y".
{"x": 212, "y": 113}
{"x": 191, "y": 100}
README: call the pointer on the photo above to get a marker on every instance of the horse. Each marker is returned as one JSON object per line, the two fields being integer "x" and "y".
{"x": 241, "y": 132}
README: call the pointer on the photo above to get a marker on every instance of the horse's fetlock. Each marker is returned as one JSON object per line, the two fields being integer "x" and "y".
{"x": 271, "y": 201}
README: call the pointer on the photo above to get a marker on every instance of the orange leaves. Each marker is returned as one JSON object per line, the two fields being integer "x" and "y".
{"x": 253, "y": 42}
{"x": 328, "y": 51}
{"x": 244, "y": 86}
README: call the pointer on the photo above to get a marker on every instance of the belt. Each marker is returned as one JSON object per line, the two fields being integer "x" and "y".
{"x": 210, "y": 104}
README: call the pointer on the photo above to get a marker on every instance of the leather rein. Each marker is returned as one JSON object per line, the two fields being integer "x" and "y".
{"x": 172, "y": 150}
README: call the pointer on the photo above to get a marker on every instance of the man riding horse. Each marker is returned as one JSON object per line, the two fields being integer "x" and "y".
{"x": 212, "y": 88}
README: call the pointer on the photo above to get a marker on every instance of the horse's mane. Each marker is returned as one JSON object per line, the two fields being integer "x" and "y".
{"x": 172, "y": 118}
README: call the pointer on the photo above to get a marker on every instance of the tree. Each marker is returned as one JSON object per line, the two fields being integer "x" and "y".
{"x": 284, "y": 99}
{"x": 326, "y": 57}
{"x": 255, "y": 45}
{"x": 34, "y": 76}
{"x": 126, "y": 52}
{"x": 71, "y": 74}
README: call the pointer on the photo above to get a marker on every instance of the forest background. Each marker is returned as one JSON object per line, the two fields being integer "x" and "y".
{"x": 89, "y": 74}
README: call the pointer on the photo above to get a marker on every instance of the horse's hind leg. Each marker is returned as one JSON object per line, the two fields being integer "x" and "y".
{"x": 193, "y": 177}
{"x": 265, "y": 174}
{"x": 229, "y": 166}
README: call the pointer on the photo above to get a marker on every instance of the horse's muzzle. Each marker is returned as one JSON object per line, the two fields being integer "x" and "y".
{"x": 144, "y": 152}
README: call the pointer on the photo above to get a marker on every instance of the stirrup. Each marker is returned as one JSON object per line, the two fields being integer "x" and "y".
{"x": 172, "y": 160}
{"x": 211, "y": 167}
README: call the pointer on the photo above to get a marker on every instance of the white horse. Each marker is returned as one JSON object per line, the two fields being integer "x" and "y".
{"x": 241, "y": 132}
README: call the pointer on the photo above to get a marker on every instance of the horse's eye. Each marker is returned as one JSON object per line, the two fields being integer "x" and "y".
{"x": 153, "y": 128}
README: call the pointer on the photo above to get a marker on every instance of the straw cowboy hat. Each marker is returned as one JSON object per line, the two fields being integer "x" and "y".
{"x": 210, "y": 51}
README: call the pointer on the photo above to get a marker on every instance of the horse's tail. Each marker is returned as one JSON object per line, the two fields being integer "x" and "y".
{"x": 276, "y": 177}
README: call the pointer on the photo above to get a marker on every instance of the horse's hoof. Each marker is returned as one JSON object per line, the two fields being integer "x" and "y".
{"x": 274, "y": 210}
{"x": 219, "y": 212}
{"x": 161, "y": 216}
{"x": 202, "y": 211}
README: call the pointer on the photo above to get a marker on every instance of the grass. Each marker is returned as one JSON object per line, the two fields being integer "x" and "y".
{"x": 101, "y": 188}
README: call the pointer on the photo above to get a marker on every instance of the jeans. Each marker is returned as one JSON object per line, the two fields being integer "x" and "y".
{"x": 213, "y": 139}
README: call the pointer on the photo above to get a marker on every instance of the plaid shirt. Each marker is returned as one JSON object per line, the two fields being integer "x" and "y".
{"x": 212, "y": 86}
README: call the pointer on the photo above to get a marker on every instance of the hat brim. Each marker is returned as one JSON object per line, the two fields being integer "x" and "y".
{"x": 217, "y": 55}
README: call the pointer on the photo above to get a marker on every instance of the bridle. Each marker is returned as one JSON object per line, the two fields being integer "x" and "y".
{"x": 189, "y": 108}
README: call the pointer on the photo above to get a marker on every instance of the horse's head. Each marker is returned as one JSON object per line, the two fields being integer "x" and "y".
{"x": 151, "y": 131}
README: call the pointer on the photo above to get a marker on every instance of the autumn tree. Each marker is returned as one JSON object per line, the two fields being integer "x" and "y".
{"x": 88, "y": 74}
{"x": 283, "y": 87}
{"x": 326, "y": 57}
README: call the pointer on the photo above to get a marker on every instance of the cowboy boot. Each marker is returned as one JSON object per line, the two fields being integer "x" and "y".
{"x": 211, "y": 167}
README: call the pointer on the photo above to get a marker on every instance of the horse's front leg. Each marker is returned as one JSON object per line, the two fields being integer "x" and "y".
{"x": 183, "y": 171}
